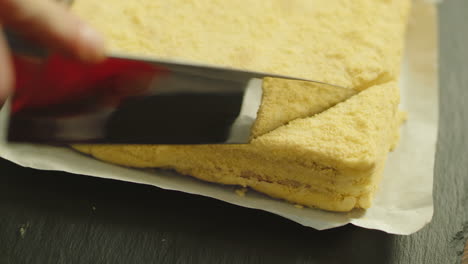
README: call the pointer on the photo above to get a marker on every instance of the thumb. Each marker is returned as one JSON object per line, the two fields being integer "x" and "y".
{"x": 6, "y": 71}
{"x": 53, "y": 26}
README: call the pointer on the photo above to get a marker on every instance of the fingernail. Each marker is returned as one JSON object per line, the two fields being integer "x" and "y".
{"x": 93, "y": 44}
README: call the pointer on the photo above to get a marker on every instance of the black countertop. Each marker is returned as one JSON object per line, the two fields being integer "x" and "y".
{"x": 52, "y": 217}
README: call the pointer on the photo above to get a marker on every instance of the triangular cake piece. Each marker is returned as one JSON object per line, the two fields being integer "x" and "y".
{"x": 285, "y": 100}
{"x": 332, "y": 160}
{"x": 349, "y": 142}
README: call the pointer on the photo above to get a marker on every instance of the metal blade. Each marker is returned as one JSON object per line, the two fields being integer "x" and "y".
{"x": 124, "y": 101}
{"x": 130, "y": 100}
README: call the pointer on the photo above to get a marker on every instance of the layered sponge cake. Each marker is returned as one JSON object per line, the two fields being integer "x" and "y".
{"x": 314, "y": 145}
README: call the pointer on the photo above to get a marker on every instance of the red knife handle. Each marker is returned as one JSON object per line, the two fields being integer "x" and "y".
{"x": 56, "y": 80}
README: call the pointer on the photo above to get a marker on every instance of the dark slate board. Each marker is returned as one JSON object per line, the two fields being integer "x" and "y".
{"x": 53, "y": 217}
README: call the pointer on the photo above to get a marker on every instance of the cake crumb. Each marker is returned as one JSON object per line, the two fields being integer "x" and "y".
{"x": 404, "y": 115}
{"x": 241, "y": 192}
{"x": 298, "y": 206}
{"x": 23, "y": 229}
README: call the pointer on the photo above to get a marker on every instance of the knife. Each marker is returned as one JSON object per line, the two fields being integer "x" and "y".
{"x": 129, "y": 100}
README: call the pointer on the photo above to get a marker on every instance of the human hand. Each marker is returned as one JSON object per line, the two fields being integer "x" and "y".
{"x": 51, "y": 25}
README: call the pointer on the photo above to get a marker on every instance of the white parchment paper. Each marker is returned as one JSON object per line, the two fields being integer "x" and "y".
{"x": 403, "y": 205}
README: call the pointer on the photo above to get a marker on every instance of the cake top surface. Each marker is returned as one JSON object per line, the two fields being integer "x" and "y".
{"x": 286, "y": 100}
{"x": 351, "y": 43}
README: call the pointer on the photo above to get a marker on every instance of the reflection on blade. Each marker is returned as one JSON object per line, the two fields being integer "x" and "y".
{"x": 121, "y": 101}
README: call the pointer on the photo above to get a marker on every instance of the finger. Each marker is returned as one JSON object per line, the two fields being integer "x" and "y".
{"x": 54, "y": 26}
{"x": 6, "y": 72}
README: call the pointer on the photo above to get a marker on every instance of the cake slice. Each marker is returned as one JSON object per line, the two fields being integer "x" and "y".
{"x": 286, "y": 100}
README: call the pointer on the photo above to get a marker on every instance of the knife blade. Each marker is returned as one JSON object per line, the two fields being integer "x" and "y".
{"x": 129, "y": 100}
